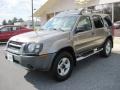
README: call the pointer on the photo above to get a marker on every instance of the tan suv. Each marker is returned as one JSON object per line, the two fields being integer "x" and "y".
{"x": 65, "y": 39}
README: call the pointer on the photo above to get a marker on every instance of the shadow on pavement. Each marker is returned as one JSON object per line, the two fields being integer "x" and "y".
{"x": 87, "y": 72}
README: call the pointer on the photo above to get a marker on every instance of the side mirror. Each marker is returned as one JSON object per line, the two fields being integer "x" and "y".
{"x": 83, "y": 28}
{"x": 79, "y": 29}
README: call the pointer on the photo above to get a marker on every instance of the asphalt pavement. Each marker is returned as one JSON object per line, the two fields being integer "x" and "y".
{"x": 93, "y": 73}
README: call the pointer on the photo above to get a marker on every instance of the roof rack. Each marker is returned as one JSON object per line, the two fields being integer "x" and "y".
{"x": 80, "y": 11}
{"x": 86, "y": 11}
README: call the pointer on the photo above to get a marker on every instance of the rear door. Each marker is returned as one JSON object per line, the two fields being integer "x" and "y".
{"x": 108, "y": 24}
{"x": 23, "y": 30}
{"x": 15, "y": 30}
{"x": 19, "y": 30}
{"x": 100, "y": 30}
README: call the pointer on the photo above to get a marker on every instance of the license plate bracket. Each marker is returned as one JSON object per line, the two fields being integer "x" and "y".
{"x": 9, "y": 57}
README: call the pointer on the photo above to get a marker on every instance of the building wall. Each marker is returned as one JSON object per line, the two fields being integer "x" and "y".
{"x": 62, "y": 5}
{"x": 107, "y": 1}
{"x": 43, "y": 19}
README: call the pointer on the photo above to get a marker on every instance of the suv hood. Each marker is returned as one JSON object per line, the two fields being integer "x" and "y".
{"x": 36, "y": 36}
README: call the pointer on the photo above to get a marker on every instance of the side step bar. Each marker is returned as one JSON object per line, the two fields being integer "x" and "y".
{"x": 83, "y": 57}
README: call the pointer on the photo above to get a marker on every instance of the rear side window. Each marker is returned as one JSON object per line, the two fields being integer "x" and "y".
{"x": 108, "y": 21}
{"x": 9, "y": 28}
{"x": 14, "y": 28}
{"x": 98, "y": 22}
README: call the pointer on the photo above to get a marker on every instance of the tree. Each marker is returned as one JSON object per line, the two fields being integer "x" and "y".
{"x": 10, "y": 22}
{"x": 4, "y": 22}
{"x": 20, "y": 20}
{"x": 14, "y": 20}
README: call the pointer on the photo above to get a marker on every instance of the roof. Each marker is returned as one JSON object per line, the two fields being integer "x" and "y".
{"x": 44, "y": 8}
{"x": 81, "y": 11}
{"x": 8, "y": 25}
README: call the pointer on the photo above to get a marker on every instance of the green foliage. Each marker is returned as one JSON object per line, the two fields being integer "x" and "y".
{"x": 20, "y": 20}
{"x": 4, "y": 22}
{"x": 14, "y": 20}
{"x": 11, "y": 22}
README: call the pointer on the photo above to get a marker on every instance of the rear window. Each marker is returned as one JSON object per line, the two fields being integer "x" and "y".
{"x": 108, "y": 20}
{"x": 98, "y": 22}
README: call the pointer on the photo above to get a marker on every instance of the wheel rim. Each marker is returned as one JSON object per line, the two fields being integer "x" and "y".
{"x": 63, "y": 66}
{"x": 108, "y": 47}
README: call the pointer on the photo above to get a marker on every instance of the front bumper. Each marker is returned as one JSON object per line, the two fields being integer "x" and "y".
{"x": 42, "y": 62}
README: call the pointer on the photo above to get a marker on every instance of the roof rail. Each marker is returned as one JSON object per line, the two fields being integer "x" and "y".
{"x": 80, "y": 11}
{"x": 85, "y": 11}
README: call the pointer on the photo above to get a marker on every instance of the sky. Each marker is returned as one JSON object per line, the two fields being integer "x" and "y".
{"x": 18, "y": 8}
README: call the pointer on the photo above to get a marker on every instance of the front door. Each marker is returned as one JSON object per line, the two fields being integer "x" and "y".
{"x": 84, "y": 35}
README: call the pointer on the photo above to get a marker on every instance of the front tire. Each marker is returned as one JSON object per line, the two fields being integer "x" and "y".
{"x": 107, "y": 48}
{"x": 63, "y": 66}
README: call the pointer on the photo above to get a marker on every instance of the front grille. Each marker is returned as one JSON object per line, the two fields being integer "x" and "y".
{"x": 14, "y": 46}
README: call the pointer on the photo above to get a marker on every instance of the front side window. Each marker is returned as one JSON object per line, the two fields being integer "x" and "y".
{"x": 98, "y": 21}
{"x": 60, "y": 23}
{"x": 84, "y": 24}
{"x": 4, "y": 29}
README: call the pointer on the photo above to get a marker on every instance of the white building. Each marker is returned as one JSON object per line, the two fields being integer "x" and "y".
{"x": 28, "y": 24}
{"x": 52, "y": 7}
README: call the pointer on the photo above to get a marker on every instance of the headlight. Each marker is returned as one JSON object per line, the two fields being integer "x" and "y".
{"x": 33, "y": 48}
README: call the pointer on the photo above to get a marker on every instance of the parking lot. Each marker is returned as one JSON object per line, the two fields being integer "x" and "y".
{"x": 93, "y": 73}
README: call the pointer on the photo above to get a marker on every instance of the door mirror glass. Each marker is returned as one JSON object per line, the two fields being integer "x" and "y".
{"x": 80, "y": 29}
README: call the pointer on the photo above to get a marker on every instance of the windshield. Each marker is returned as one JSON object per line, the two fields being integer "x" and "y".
{"x": 60, "y": 23}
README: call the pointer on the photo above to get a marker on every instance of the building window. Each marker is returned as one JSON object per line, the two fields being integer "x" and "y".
{"x": 117, "y": 11}
{"x": 106, "y": 8}
{"x": 50, "y": 16}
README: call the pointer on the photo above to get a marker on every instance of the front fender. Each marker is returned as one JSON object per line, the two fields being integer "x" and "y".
{"x": 59, "y": 44}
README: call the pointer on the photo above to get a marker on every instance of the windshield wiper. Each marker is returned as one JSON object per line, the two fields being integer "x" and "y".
{"x": 58, "y": 29}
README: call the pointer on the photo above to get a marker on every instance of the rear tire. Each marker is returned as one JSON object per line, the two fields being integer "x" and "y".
{"x": 62, "y": 66}
{"x": 107, "y": 48}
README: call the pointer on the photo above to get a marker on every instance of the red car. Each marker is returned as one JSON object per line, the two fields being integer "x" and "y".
{"x": 8, "y": 31}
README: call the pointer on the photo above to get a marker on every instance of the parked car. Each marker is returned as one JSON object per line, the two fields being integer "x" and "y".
{"x": 117, "y": 25}
{"x": 65, "y": 39}
{"x": 8, "y": 31}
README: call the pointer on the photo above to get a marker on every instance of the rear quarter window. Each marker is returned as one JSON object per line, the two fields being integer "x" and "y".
{"x": 108, "y": 21}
